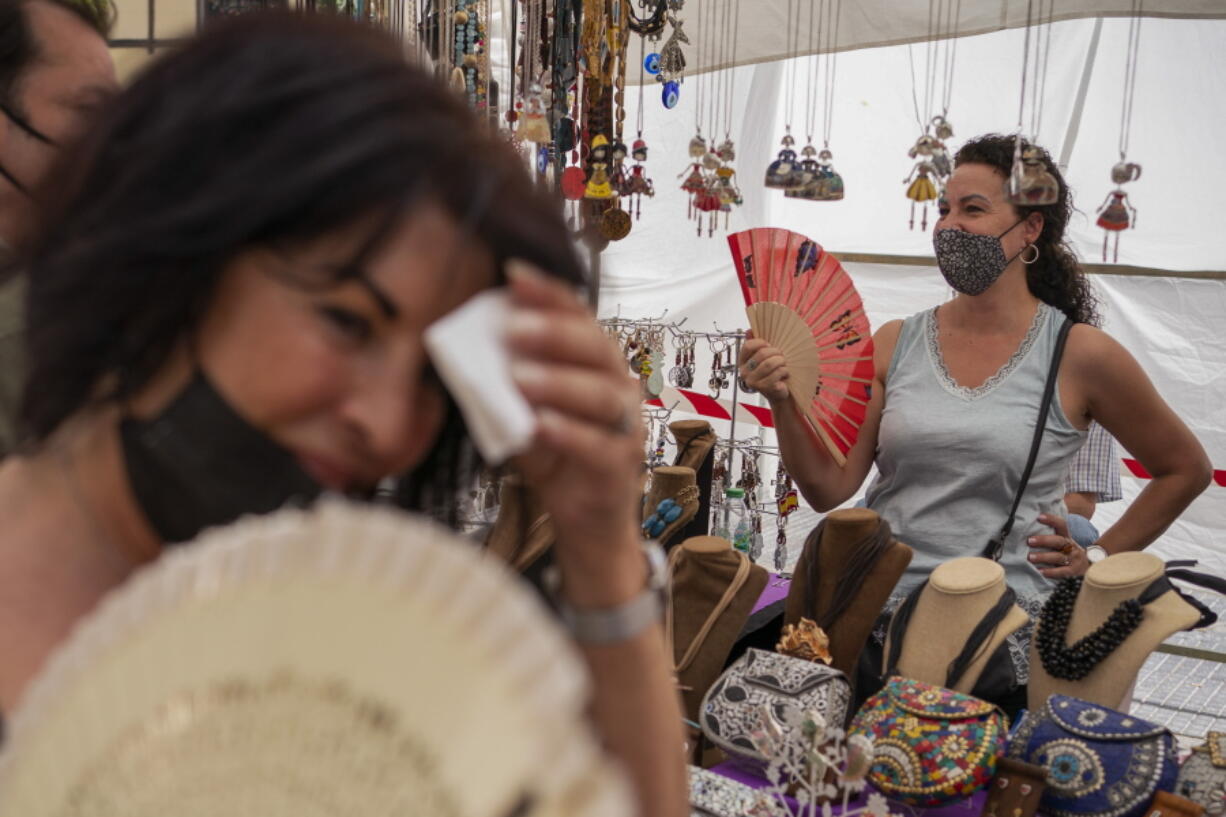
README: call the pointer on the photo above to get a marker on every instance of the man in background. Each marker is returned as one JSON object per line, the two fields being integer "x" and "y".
{"x": 55, "y": 71}
{"x": 1093, "y": 477}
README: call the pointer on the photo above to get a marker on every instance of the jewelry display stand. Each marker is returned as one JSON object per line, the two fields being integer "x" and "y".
{"x": 1107, "y": 584}
{"x": 695, "y": 441}
{"x": 822, "y": 569}
{"x": 712, "y": 591}
{"x": 958, "y": 596}
{"x": 675, "y": 483}
{"x": 523, "y": 532}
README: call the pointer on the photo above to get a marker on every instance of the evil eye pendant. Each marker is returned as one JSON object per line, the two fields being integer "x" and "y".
{"x": 652, "y": 63}
{"x": 542, "y": 159}
{"x": 671, "y": 94}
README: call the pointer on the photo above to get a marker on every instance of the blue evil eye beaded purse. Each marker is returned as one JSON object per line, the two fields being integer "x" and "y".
{"x": 1099, "y": 762}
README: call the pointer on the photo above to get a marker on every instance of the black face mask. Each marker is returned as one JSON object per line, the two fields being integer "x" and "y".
{"x": 199, "y": 464}
{"x": 34, "y": 133}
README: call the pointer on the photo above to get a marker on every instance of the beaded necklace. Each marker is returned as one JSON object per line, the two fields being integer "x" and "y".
{"x": 1074, "y": 662}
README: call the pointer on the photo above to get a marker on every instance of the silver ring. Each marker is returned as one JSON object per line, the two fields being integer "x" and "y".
{"x": 1066, "y": 562}
{"x": 751, "y": 365}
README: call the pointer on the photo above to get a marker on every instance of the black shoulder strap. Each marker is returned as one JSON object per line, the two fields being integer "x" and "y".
{"x": 898, "y": 628}
{"x": 996, "y": 545}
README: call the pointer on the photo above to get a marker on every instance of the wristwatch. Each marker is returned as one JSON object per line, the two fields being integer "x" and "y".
{"x": 610, "y": 625}
{"x": 1096, "y": 553}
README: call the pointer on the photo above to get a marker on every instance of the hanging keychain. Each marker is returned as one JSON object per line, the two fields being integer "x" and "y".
{"x": 756, "y": 543}
{"x": 786, "y": 502}
{"x": 716, "y": 382}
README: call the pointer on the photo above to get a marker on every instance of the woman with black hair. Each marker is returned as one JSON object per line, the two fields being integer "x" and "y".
{"x": 957, "y": 394}
{"x": 226, "y": 312}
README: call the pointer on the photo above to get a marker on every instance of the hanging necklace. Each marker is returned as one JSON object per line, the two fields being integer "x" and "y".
{"x": 637, "y": 183}
{"x": 1030, "y": 183}
{"x": 784, "y": 173}
{"x": 718, "y": 192}
{"x": 808, "y": 154}
{"x": 672, "y": 63}
{"x": 1074, "y": 662}
{"x": 830, "y": 187}
{"x": 930, "y": 153}
{"x": 940, "y": 123}
{"x": 694, "y": 182}
{"x": 1116, "y": 213}
{"x": 615, "y": 222}
{"x": 727, "y": 189}
{"x": 823, "y": 181}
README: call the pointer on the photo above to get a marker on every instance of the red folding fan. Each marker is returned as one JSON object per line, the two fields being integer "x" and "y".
{"x": 801, "y": 301}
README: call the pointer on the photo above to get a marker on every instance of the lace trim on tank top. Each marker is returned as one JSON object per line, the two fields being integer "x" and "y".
{"x": 951, "y": 385}
{"x": 1018, "y": 641}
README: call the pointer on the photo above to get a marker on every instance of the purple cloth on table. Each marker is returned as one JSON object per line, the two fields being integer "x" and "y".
{"x": 970, "y": 807}
{"x": 772, "y": 593}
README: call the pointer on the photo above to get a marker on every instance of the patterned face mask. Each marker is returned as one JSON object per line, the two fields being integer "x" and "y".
{"x": 971, "y": 262}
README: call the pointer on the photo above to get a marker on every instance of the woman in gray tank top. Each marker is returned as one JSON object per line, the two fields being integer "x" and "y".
{"x": 957, "y": 392}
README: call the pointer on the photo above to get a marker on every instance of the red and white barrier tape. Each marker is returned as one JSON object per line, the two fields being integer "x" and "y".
{"x": 716, "y": 408}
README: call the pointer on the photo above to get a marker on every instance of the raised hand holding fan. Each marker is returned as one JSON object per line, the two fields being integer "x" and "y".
{"x": 800, "y": 300}
{"x": 338, "y": 661}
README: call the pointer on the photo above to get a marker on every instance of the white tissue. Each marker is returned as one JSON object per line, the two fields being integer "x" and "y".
{"x": 469, "y": 351}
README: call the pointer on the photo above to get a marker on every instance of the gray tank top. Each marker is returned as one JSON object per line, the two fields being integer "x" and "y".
{"x": 950, "y": 458}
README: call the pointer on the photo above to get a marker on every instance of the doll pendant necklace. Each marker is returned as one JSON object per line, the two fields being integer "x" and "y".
{"x": 785, "y": 172}
{"x": 1116, "y": 213}
{"x": 819, "y": 181}
{"x": 1030, "y": 183}
{"x": 930, "y": 152}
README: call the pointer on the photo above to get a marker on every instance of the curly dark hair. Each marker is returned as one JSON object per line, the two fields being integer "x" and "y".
{"x": 269, "y": 129}
{"x": 1056, "y": 277}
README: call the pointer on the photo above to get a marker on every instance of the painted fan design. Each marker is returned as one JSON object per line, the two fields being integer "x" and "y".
{"x": 800, "y": 300}
{"x": 339, "y": 661}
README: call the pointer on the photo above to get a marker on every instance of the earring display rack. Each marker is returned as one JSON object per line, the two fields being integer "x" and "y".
{"x": 739, "y": 460}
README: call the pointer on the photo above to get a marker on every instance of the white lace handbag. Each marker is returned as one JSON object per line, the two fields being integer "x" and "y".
{"x": 762, "y": 682}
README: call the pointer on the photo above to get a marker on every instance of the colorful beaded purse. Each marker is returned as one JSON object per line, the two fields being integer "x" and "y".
{"x": 931, "y": 745}
{"x": 1100, "y": 763}
{"x": 760, "y": 682}
{"x": 1202, "y": 778}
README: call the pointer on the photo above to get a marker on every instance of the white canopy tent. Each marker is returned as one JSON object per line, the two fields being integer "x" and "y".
{"x": 876, "y": 23}
{"x": 1166, "y": 301}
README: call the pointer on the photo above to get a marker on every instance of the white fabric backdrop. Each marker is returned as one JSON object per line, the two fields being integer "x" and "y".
{"x": 874, "y": 23}
{"x": 1172, "y": 325}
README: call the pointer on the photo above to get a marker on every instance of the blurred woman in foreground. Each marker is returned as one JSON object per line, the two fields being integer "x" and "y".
{"x": 226, "y": 313}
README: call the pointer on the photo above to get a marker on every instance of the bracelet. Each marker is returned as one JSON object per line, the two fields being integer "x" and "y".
{"x": 610, "y": 625}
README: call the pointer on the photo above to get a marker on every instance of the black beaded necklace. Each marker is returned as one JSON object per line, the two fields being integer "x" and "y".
{"x": 1072, "y": 663}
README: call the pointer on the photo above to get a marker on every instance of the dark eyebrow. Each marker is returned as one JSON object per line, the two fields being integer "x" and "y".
{"x": 381, "y": 299}
{"x": 965, "y": 199}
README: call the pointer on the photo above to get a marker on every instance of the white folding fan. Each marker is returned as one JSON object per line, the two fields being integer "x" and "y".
{"x": 800, "y": 300}
{"x": 341, "y": 661}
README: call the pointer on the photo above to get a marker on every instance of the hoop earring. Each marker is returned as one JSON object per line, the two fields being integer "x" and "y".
{"x": 1034, "y": 247}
